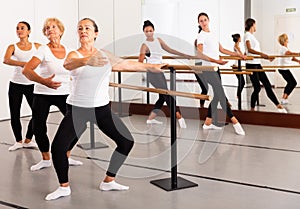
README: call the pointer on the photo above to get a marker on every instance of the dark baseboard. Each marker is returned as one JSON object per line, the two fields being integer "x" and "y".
{"x": 245, "y": 117}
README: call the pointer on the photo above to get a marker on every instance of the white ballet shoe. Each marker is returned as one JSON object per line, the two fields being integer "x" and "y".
{"x": 182, "y": 123}
{"x": 40, "y": 165}
{"x": 109, "y": 186}
{"x": 211, "y": 127}
{"x": 238, "y": 129}
{"x": 59, "y": 192}
{"x": 16, "y": 146}
{"x": 153, "y": 121}
{"x": 74, "y": 162}
{"x": 31, "y": 144}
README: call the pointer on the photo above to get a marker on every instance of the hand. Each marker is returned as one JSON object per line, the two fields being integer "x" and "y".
{"x": 96, "y": 59}
{"x": 50, "y": 83}
{"x": 271, "y": 58}
{"x": 157, "y": 68}
{"x": 221, "y": 62}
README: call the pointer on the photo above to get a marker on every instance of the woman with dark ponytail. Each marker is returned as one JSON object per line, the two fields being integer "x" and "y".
{"x": 208, "y": 45}
{"x": 252, "y": 48}
{"x": 152, "y": 50}
{"x": 241, "y": 80}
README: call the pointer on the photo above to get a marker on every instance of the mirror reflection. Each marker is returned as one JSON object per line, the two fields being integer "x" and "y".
{"x": 174, "y": 21}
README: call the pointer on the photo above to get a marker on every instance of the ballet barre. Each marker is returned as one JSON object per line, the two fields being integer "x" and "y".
{"x": 162, "y": 91}
{"x": 174, "y": 182}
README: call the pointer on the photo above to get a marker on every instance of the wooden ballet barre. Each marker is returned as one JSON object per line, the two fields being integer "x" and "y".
{"x": 248, "y": 70}
{"x": 162, "y": 91}
{"x": 236, "y": 58}
{"x": 237, "y": 72}
{"x": 164, "y": 57}
{"x": 281, "y": 66}
{"x": 275, "y": 56}
{"x": 196, "y": 68}
{"x": 222, "y": 72}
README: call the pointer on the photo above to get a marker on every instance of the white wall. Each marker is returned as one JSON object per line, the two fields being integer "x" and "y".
{"x": 34, "y": 12}
{"x": 114, "y": 24}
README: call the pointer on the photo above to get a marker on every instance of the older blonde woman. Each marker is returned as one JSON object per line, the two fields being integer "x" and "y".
{"x": 52, "y": 87}
{"x": 285, "y": 72}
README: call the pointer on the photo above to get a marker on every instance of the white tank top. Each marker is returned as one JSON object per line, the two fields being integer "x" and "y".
{"x": 22, "y": 56}
{"x": 90, "y": 85}
{"x": 52, "y": 65}
{"x": 156, "y": 52}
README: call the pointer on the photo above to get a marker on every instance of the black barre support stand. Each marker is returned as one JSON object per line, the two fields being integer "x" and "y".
{"x": 92, "y": 144}
{"x": 239, "y": 86}
{"x": 173, "y": 183}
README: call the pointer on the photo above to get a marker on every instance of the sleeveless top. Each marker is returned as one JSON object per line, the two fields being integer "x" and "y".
{"x": 90, "y": 85}
{"x": 23, "y": 56}
{"x": 52, "y": 65}
{"x": 156, "y": 51}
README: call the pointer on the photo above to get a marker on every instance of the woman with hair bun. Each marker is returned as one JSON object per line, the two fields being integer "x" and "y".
{"x": 241, "y": 80}
{"x": 252, "y": 48}
{"x": 152, "y": 50}
{"x": 17, "y": 55}
{"x": 208, "y": 44}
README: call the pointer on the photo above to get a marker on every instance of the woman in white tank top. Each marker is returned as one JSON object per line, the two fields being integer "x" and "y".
{"x": 152, "y": 50}
{"x": 89, "y": 101}
{"x": 17, "y": 55}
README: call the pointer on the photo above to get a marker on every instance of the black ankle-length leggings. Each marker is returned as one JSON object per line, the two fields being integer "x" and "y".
{"x": 40, "y": 111}
{"x": 289, "y": 78}
{"x": 15, "y": 96}
{"x": 72, "y": 127}
{"x": 256, "y": 78}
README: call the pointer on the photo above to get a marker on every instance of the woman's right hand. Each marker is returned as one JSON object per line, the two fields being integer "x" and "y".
{"x": 50, "y": 83}
{"x": 96, "y": 59}
{"x": 221, "y": 62}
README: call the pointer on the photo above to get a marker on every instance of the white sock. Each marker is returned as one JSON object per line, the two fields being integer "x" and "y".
{"x": 74, "y": 162}
{"x": 59, "y": 192}
{"x": 40, "y": 165}
{"x": 108, "y": 186}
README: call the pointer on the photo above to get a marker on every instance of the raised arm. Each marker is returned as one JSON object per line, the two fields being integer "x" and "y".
{"x": 73, "y": 61}
{"x": 231, "y": 53}
{"x": 252, "y": 51}
{"x": 173, "y": 51}
{"x": 119, "y": 64}
{"x": 202, "y": 56}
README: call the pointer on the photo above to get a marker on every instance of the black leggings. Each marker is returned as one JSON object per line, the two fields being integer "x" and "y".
{"x": 241, "y": 85}
{"x": 289, "y": 78}
{"x": 40, "y": 111}
{"x": 203, "y": 85}
{"x": 72, "y": 127}
{"x": 15, "y": 96}
{"x": 158, "y": 80}
{"x": 256, "y": 78}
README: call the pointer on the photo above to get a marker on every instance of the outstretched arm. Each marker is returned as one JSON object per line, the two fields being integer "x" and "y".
{"x": 119, "y": 64}
{"x": 173, "y": 51}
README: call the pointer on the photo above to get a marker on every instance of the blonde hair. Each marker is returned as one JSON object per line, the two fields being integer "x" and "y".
{"x": 59, "y": 24}
{"x": 282, "y": 38}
